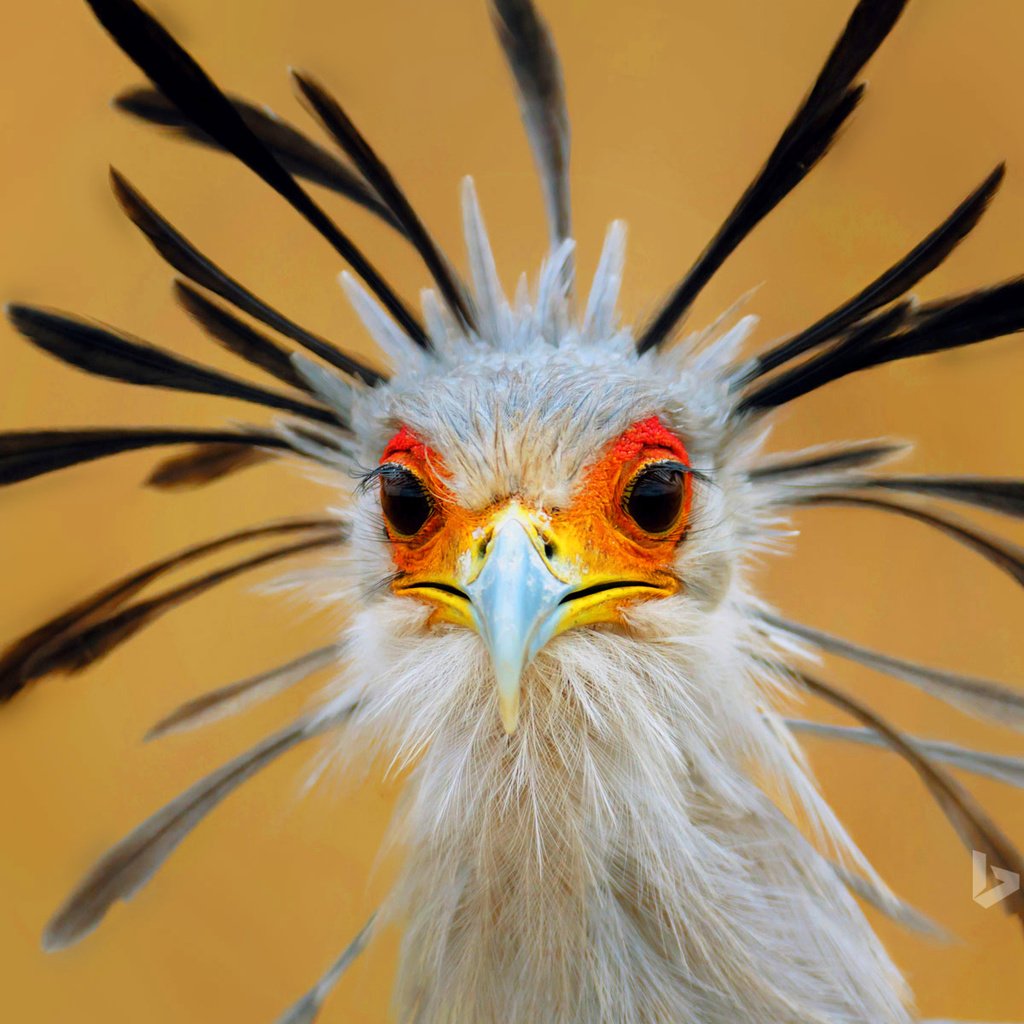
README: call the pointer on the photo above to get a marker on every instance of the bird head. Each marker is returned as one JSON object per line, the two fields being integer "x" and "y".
{"x": 544, "y": 484}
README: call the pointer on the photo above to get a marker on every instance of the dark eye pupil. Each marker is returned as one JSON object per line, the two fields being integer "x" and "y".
{"x": 405, "y": 503}
{"x": 656, "y": 497}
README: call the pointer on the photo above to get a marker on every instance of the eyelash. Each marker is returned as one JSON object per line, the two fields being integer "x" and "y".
{"x": 666, "y": 465}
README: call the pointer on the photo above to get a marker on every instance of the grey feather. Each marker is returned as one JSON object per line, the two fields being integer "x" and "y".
{"x": 983, "y": 698}
{"x": 1000, "y": 767}
{"x": 129, "y": 865}
{"x": 331, "y": 388}
{"x": 237, "y": 696}
{"x": 885, "y": 902}
{"x": 1001, "y": 553}
{"x": 306, "y": 1010}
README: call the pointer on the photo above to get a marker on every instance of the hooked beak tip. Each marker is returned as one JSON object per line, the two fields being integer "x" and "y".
{"x": 509, "y": 673}
{"x": 508, "y": 709}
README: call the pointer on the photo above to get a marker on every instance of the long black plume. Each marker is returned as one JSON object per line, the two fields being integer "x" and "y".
{"x": 950, "y": 323}
{"x": 27, "y": 658}
{"x": 106, "y": 353}
{"x": 77, "y": 649}
{"x": 204, "y": 464}
{"x": 186, "y": 85}
{"x": 238, "y": 337}
{"x": 834, "y": 362}
{"x": 294, "y": 151}
{"x": 1006, "y": 496}
{"x": 181, "y": 254}
{"x": 928, "y": 254}
{"x": 830, "y": 459}
{"x": 25, "y": 454}
{"x": 532, "y": 56}
{"x": 334, "y": 119}
{"x": 804, "y": 141}
{"x": 1002, "y": 553}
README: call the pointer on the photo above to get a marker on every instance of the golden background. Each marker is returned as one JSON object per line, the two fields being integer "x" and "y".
{"x": 674, "y": 105}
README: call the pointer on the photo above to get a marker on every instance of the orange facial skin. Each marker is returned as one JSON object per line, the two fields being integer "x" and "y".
{"x": 591, "y": 543}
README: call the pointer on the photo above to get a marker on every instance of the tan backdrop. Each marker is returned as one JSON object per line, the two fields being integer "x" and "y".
{"x": 674, "y": 106}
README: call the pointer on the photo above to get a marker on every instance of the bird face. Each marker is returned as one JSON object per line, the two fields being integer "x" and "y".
{"x": 519, "y": 572}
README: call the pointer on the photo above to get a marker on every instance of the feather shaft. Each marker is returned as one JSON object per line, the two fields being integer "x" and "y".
{"x": 1001, "y": 553}
{"x": 1000, "y": 767}
{"x": 307, "y": 1009}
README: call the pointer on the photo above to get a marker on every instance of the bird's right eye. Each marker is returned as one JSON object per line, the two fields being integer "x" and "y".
{"x": 656, "y": 495}
{"x": 404, "y": 500}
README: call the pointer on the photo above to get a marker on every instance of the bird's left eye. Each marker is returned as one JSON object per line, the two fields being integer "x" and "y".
{"x": 404, "y": 500}
{"x": 655, "y": 496}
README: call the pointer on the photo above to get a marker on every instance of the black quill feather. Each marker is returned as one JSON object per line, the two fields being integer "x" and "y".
{"x": 179, "y": 252}
{"x": 804, "y": 141}
{"x": 27, "y": 658}
{"x": 76, "y": 649}
{"x": 531, "y": 55}
{"x": 928, "y": 254}
{"x": 950, "y": 323}
{"x": 238, "y": 337}
{"x": 294, "y": 151}
{"x": 1005, "y": 496}
{"x": 847, "y": 457}
{"x": 176, "y": 74}
{"x": 25, "y": 454}
{"x": 204, "y": 464}
{"x": 339, "y": 125}
{"x": 105, "y": 353}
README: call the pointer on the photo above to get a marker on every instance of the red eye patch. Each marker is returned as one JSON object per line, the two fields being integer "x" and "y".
{"x": 405, "y": 441}
{"x": 646, "y": 434}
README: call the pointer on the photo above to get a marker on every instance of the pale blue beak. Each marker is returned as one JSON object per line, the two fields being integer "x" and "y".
{"x": 516, "y": 605}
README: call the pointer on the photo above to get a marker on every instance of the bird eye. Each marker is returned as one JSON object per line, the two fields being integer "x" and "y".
{"x": 404, "y": 500}
{"x": 655, "y": 497}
